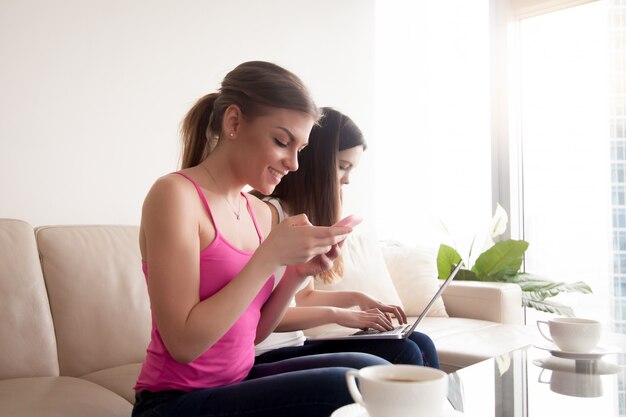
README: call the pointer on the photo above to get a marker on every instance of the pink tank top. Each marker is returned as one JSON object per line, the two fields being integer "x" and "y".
{"x": 230, "y": 359}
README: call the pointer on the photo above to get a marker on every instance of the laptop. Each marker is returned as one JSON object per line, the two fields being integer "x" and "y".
{"x": 398, "y": 332}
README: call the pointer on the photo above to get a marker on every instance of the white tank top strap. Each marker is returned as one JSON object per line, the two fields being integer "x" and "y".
{"x": 276, "y": 203}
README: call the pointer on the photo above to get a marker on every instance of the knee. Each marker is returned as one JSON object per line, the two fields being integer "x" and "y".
{"x": 422, "y": 340}
{"x": 359, "y": 360}
{"x": 330, "y": 386}
{"x": 427, "y": 347}
{"x": 410, "y": 354}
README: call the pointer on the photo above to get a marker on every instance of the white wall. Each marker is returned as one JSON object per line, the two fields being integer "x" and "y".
{"x": 432, "y": 74}
{"x": 92, "y": 92}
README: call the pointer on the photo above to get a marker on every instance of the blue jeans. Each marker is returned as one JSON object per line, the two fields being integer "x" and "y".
{"x": 308, "y": 386}
{"x": 417, "y": 349}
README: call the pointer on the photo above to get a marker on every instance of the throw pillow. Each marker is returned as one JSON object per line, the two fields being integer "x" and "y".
{"x": 364, "y": 270}
{"x": 413, "y": 271}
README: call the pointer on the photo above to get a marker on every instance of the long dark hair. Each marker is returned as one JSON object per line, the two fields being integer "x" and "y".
{"x": 314, "y": 188}
{"x": 251, "y": 86}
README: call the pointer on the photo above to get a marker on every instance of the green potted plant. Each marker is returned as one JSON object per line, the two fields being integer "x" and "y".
{"x": 501, "y": 262}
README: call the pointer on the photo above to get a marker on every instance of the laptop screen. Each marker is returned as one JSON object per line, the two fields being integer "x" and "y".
{"x": 436, "y": 296}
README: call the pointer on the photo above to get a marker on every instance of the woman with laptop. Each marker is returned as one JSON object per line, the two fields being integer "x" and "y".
{"x": 334, "y": 150}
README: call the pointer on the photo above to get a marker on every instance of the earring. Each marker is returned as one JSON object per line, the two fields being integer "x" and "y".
{"x": 231, "y": 134}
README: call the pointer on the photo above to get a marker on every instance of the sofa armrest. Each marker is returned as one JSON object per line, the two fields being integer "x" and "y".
{"x": 492, "y": 301}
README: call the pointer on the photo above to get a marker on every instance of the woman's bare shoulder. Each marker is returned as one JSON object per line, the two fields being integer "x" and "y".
{"x": 170, "y": 193}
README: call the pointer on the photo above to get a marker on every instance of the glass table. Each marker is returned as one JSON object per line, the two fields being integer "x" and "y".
{"x": 531, "y": 382}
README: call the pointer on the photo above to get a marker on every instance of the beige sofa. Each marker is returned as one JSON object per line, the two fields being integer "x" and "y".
{"x": 75, "y": 320}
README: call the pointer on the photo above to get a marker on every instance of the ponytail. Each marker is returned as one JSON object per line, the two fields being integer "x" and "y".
{"x": 195, "y": 131}
{"x": 252, "y": 86}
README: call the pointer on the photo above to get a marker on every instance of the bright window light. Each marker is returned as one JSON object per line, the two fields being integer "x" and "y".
{"x": 566, "y": 151}
{"x": 433, "y": 140}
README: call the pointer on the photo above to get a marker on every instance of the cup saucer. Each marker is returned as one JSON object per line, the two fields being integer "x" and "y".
{"x": 596, "y": 353}
{"x": 350, "y": 410}
{"x": 559, "y": 364}
{"x": 355, "y": 410}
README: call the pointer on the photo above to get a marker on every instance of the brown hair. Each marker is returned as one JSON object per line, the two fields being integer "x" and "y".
{"x": 314, "y": 188}
{"x": 252, "y": 86}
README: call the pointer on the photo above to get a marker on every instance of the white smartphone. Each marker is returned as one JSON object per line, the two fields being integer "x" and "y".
{"x": 350, "y": 221}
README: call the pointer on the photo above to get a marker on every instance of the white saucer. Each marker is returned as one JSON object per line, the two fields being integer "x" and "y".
{"x": 350, "y": 410}
{"x": 559, "y": 364}
{"x": 597, "y": 353}
{"x": 355, "y": 410}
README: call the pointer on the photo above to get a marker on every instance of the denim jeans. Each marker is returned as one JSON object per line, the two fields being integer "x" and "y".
{"x": 307, "y": 386}
{"x": 417, "y": 349}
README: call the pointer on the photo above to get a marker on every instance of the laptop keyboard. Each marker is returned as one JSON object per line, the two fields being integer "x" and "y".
{"x": 395, "y": 330}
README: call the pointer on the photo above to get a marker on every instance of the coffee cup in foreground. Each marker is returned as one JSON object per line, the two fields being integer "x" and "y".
{"x": 399, "y": 390}
{"x": 572, "y": 334}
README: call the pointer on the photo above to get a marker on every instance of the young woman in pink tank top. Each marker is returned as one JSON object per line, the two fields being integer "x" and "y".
{"x": 209, "y": 254}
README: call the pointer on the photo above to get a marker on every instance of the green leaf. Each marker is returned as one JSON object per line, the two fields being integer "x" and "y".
{"x": 505, "y": 254}
{"x": 447, "y": 257}
{"x": 547, "y": 306}
{"x": 535, "y": 283}
{"x": 465, "y": 275}
{"x": 505, "y": 275}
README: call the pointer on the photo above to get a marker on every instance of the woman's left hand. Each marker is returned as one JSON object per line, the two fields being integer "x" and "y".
{"x": 366, "y": 302}
{"x": 320, "y": 263}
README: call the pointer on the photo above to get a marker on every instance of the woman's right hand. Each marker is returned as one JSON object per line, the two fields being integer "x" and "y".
{"x": 368, "y": 319}
{"x": 296, "y": 241}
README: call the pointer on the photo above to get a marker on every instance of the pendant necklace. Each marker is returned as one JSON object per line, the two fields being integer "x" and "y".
{"x": 237, "y": 212}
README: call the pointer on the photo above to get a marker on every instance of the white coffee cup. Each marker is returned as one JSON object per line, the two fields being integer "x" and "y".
{"x": 572, "y": 334}
{"x": 399, "y": 390}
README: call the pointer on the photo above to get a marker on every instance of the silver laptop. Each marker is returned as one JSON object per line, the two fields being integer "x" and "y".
{"x": 398, "y": 332}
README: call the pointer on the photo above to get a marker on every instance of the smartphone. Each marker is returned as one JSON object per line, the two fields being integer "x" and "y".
{"x": 350, "y": 221}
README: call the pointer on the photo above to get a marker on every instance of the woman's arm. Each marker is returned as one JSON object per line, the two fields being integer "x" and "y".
{"x": 275, "y": 307}
{"x": 302, "y": 318}
{"x": 309, "y": 297}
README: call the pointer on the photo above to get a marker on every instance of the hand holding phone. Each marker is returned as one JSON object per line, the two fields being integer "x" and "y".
{"x": 349, "y": 221}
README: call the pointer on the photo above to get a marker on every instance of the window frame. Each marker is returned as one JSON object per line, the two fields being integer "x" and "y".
{"x": 506, "y": 139}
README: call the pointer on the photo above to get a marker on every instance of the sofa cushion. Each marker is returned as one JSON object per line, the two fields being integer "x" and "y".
{"x": 59, "y": 397}
{"x": 364, "y": 270}
{"x": 97, "y": 295}
{"x": 27, "y": 340}
{"x": 414, "y": 273}
{"x": 120, "y": 379}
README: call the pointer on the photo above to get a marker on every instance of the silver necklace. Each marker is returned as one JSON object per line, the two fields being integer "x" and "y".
{"x": 237, "y": 212}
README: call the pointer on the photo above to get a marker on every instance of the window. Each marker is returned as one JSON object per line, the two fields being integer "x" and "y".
{"x": 619, "y": 217}
{"x": 620, "y": 268}
{"x": 571, "y": 143}
{"x": 573, "y": 176}
{"x": 521, "y": 103}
